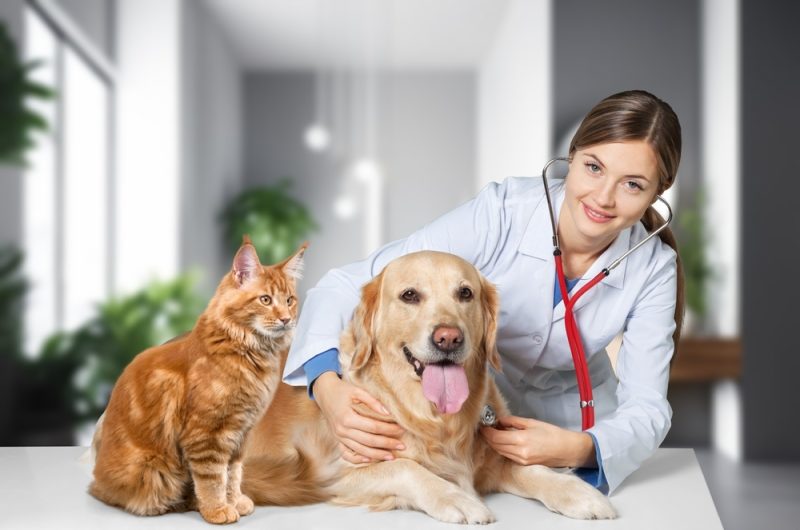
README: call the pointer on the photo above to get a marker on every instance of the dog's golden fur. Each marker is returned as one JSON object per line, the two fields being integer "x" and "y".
{"x": 291, "y": 456}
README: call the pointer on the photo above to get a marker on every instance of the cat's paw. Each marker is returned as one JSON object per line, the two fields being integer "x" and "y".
{"x": 244, "y": 505}
{"x": 220, "y": 514}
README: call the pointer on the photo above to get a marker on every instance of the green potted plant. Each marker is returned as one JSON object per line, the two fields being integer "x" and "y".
{"x": 17, "y": 121}
{"x": 276, "y": 222}
{"x": 692, "y": 245}
{"x": 123, "y": 327}
{"x": 12, "y": 294}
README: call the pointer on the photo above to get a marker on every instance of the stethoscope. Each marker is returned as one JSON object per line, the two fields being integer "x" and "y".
{"x": 573, "y": 334}
{"x": 488, "y": 415}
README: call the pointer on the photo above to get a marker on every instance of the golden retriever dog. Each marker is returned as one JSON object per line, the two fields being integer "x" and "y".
{"x": 421, "y": 342}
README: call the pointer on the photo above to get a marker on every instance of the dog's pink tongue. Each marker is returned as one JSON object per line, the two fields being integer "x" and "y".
{"x": 445, "y": 385}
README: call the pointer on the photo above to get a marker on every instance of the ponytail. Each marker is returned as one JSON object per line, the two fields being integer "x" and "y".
{"x": 651, "y": 221}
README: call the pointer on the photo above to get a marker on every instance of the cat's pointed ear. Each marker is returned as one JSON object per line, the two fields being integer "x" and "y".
{"x": 293, "y": 265}
{"x": 246, "y": 264}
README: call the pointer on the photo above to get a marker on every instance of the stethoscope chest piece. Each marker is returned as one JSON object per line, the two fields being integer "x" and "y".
{"x": 488, "y": 416}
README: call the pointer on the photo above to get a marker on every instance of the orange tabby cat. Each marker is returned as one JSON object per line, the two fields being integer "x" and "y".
{"x": 171, "y": 437}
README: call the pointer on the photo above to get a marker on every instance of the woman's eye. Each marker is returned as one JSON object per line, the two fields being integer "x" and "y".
{"x": 290, "y": 301}
{"x": 633, "y": 186}
{"x": 265, "y": 299}
{"x": 465, "y": 294}
{"x": 410, "y": 295}
{"x": 593, "y": 168}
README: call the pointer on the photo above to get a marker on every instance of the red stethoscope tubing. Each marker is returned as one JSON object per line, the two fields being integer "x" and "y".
{"x": 575, "y": 342}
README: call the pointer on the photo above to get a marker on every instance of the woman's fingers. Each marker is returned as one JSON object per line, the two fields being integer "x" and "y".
{"x": 515, "y": 422}
{"x": 366, "y": 453}
{"x": 361, "y": 423}
{"x": 375, "y": 441}
{"x": 497, "y": 437}
{"x": 364, "y": 397}
{"x": 351, "y": 456}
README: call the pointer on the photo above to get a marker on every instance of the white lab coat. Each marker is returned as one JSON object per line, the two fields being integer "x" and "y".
{"x": 505, "y": 232}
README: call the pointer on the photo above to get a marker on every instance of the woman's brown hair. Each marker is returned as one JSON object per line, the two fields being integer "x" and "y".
{"x": 639, "y": 115}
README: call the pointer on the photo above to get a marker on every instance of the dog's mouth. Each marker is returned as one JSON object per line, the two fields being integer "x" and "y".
{"x": 443, "y": 383}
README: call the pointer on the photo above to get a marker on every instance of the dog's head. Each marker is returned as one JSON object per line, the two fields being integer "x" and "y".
{"x": 428, "y": 318}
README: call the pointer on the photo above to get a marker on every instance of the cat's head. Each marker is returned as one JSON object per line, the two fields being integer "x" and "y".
{"x": 260, "y": 298}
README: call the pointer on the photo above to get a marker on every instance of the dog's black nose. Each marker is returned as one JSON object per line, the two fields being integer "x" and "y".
{"x": 447, "y": 338}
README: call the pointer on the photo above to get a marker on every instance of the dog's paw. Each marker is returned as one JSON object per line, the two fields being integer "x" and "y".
{"x": 460, "y": 507}
{"x": 220, "y": 514}
{"x": 244, "y": 505}
{"x": 578, "y": 500}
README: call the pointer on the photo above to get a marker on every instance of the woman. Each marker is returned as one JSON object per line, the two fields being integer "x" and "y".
{"x": 625, "y": 152}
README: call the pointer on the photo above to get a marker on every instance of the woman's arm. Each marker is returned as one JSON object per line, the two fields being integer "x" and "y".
{"x": 635, "y": 430}
{"x": 527, "y": 441}
{"x": 470, "y": 231}
{"x": 643, "y": 417}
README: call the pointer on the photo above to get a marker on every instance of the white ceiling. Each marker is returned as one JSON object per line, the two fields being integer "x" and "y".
{"x": 405, "y": 34}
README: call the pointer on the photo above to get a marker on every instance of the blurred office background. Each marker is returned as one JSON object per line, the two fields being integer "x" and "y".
{"x": 157, "y": 130}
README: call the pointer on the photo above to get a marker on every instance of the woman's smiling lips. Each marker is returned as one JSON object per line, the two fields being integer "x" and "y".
{"x": 596, "y": 216}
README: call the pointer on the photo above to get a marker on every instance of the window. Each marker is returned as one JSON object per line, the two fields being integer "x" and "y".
{"x": 67, "y": 184}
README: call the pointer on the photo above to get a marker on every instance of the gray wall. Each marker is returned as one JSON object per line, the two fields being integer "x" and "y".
{"x": 614, "y": 45}
{"x": 770, "y": 194}
{"x": 606, "y": 47}
{"x": 426, "y": 141}
{"x": 95, "y": 18}
{"x": 212, "y": 129}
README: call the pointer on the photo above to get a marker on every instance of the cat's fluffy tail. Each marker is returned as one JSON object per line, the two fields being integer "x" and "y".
{"x": 90, "y": 456}
{"x": 288, "y": 481}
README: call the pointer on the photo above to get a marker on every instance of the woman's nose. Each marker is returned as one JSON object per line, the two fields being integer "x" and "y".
{"x": 605, "y": 194}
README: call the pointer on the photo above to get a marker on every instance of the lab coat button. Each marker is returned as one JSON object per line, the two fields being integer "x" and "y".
{"x": 537, "y": 339}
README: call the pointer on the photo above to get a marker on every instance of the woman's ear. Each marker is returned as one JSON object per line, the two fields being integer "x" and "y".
{"x": 362, "y": 326}
{"x": 490, "y": 304}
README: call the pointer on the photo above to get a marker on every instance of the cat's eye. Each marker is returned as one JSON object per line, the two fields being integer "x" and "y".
{"x": 290, "y": 301}
{"x": 265, "y": 299}
{"x": 410, "y": 296}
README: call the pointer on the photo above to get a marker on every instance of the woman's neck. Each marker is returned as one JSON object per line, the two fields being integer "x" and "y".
{"x": 578, "y": 252}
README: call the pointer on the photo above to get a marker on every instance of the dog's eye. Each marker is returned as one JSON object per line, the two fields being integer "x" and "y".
{"x": 410, "y": 295}
{"x": 465, "y": 293}
{"x": 265, "y": 299}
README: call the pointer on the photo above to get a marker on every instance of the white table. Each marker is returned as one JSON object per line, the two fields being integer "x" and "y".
{"x": 45, "y": 487}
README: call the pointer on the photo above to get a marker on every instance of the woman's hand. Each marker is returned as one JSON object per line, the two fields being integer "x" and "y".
{"x": 361, "y": 439}
{"x": 527, "y": 441}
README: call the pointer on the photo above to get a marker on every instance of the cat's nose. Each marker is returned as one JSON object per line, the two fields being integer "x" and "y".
{"x": 286, "y": 320}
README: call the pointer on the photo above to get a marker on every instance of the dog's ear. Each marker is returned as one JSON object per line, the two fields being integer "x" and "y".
{"x": 490, "y": 304}
{"x": 362, "y": 325}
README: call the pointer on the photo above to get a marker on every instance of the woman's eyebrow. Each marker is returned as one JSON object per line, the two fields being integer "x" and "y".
{"x": 600, "y": 163}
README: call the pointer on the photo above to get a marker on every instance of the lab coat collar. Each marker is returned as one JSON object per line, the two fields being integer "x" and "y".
{"x": 537, "y": 242}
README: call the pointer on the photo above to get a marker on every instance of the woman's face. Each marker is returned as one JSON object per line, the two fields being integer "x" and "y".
{"x": 608, "y": 188}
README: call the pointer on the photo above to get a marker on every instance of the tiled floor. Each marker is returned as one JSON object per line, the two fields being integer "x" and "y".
{"x": 760, "y": 496}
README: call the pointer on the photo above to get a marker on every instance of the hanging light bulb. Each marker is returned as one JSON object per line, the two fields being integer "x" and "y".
{"x": 366, "y": 170}
{"x": 345, "y": 206}
{"x": 317, "y": 137}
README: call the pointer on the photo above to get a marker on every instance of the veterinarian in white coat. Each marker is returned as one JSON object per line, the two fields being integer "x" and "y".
{"x": 625, "y": 152}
